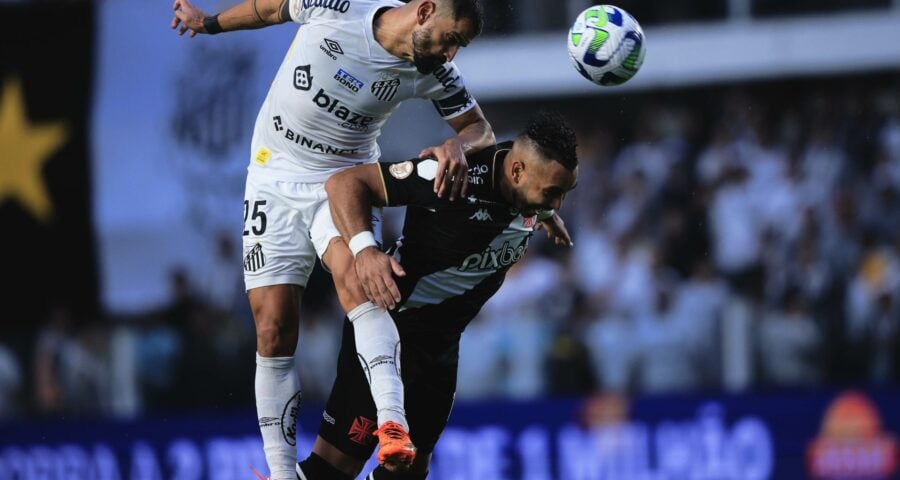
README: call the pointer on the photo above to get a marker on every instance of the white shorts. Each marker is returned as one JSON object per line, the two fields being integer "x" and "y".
{"x": 286, "y": 226}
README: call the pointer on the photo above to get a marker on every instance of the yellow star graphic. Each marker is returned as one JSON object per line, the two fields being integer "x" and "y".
{"x": 24, "y": 148}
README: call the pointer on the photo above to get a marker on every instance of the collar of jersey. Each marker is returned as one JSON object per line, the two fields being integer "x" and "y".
{"x": 376, "y": 51}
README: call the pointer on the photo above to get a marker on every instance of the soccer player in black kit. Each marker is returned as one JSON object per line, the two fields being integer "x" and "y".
{"x": 452, "y": 257}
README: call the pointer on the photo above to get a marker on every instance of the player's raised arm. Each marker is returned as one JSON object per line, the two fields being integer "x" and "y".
{"x": 248, "y": 14}
{"x": 473, "y": 133}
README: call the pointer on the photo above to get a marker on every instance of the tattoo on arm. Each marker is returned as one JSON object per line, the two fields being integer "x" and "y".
{"x": 258, "y": 16}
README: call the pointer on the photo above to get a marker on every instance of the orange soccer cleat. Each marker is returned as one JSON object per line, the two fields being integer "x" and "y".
{"x": 396, "y": 451}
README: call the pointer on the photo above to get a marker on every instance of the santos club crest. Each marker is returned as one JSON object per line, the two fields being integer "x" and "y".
{"x": 386, "y": 88}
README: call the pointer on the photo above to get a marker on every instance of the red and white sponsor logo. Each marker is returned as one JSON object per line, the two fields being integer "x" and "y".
{"x": 851, "y": 443}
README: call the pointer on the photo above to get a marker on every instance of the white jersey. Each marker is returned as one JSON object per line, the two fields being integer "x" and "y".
{"x": 335, "y": 89}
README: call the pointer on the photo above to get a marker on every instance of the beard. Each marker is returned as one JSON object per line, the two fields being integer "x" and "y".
{"x": 425, "y": 62}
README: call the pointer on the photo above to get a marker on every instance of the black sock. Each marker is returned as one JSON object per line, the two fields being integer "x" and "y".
{"x": 316, "y": 468}
{"x": 381, "y": 473}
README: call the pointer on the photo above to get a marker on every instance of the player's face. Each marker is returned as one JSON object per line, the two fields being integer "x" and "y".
{"x": 539, "y": 184}
{"x": 437, "y": 40}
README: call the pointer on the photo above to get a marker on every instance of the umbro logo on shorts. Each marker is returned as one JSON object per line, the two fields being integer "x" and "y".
{"x": 254, "y": 260}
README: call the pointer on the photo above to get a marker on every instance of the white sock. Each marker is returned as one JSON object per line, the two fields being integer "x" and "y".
{"x": 277, "y": 402}
{"x": 378, "y": 348}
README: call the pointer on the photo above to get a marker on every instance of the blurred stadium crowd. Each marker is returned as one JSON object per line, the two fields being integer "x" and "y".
{"x": 726, "y": 238}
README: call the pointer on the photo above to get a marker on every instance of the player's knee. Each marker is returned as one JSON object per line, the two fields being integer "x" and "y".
{"x": 275, "y": 338}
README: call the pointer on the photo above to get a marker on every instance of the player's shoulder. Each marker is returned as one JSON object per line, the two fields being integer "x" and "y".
{"x": 337, "y": 10}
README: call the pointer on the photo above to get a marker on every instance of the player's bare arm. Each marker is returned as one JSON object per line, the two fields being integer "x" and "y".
{"x": 352, "y": 193}
{"x": 248, "y": 14}
{"x": 473, "y": 133}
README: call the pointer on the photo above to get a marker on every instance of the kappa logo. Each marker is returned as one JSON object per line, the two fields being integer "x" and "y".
{"x": 385, "y": 90}
{"x": 361, "y": 431}
{"x": 482, "y": 215}
{"x": 401, "y": 170}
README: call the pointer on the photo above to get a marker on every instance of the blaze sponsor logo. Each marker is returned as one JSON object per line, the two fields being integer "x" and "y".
{"x": 348, "y": 81}
{"x": 309, "y": 143}
{"x": 490, "y": 259}
{"x": 351, "y": 120}
{"x": 361, "y": 430}
{"x": 851, "y": 443}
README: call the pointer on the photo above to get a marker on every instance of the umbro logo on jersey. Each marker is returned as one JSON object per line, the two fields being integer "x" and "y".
{"x": 482, "y": 215}
{"x": 254, "y": 260}
{"x": 385, "y": 90}
{"x": 330, "y": 48}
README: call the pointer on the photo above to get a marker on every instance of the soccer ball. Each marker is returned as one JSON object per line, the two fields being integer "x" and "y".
{"x": 606, "y": 44}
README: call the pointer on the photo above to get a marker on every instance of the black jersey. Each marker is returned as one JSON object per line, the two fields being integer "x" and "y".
{"x": 455, "y": 254}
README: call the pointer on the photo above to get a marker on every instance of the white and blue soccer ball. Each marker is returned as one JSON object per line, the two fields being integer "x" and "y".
{"x": 606, "y": 44}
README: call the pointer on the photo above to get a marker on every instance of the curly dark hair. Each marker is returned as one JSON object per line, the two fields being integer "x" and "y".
{"x": 470, "y": 9}
{"x": 553, "y": 137}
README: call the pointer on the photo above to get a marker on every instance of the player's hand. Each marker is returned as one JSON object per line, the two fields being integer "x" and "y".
{"x": 556, "y": 230}
{"x": 188, "y": 17}
{"x": 452, "y": 171}
{"x": 374, "y": 270}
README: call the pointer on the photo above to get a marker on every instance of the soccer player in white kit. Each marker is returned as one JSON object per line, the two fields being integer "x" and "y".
{"x": 351, "y": 63}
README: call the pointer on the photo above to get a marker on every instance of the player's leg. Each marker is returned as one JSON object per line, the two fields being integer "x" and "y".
{"x": 432, "y": 361}
{"x": 278, "y": 258}
{"x": 345, "y": 438}
{"x": 377, "y": 340}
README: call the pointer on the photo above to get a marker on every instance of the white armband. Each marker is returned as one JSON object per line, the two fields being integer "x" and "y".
{"x": 362, "y": 240}
{"x": 546, "y": 215}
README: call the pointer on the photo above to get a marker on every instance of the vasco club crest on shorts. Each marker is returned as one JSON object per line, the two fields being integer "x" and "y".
{"x": 386, "y": 88}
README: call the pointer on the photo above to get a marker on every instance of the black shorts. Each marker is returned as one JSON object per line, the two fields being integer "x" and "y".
{"x": 428, "y": 363}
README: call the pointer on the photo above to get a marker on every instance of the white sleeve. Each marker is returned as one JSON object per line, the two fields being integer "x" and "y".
{"x": 298, "y": 13}
{"x": 447, "y": 91}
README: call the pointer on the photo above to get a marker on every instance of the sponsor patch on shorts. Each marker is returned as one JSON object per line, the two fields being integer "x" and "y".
{"x": 401, "y": 170}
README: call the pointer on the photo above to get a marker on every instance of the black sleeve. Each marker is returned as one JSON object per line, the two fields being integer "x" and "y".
{"x": 411, "y": 183}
